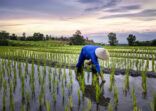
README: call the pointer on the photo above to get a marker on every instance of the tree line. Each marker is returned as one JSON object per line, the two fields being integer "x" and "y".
{"x": 131, "y": 39}
{"x": 76, "y": 39}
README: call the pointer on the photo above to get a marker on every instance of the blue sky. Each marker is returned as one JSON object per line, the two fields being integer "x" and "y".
{"x": 95, "y": 18}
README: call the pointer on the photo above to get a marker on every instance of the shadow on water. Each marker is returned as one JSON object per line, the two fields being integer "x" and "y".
{"x": 90, "y": 91}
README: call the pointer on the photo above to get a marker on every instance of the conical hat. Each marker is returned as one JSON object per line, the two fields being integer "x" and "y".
{"x": 102, "y": 53}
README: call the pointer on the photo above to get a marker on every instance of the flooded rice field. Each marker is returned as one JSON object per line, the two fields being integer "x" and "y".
{"x": 31, "y": 87}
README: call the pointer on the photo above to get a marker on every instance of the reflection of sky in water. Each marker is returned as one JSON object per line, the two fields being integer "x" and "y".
{"x": 125, "y": 102}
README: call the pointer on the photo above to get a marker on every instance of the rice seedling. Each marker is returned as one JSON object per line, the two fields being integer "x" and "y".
{"x": 28, "y": 100}
{"x": 110, "y": 107}
{"x": 112, "y": 78}
{"x": 48, "y": 106}
{"x": 23, "y": 88}
{"x": 4, "y": 102}
{"x": 144, "y": 82}
{"x": 126, "y": 81}
{"x": 153, "y": 103}
{"x": 153, "y": 63}
{"x": 89, "y": 105}
{"x": 94, "y": 80}
{"x": 70, "y": 102}
{"x": 54, "y": 95}
{"x": 98, "y": 92}
{"x": 23, "y": 107}
{"x": 12, "y": 106}
{"x": 135, "y": 107}
{"x": 79, "y": 96}
{"x": 66, "y": 108}
{"x": 82, "y": 84}
{"x": 115, "y": 96}
{"x": 49, "y": 77}
{"x": 63, "y": 91}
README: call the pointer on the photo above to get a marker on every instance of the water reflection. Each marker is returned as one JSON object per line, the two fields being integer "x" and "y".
{"x": 90, "y": 90}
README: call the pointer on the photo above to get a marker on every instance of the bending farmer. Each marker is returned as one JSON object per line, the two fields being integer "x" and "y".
{"x": 92, "y": 53}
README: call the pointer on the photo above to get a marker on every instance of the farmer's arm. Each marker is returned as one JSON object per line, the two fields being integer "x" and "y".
{"x": 96, "y": 63}
{"x": 81, "y": 60}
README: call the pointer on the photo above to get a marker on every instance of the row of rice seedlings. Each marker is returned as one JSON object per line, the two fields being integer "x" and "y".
{"x": 135, "y": 107}
{"x": 98, "y": 92}
{"x": 112, "y": 78}
{"x": 126, "y": 82}
{"x": 12, "y": 104}
{"x": 82, "y": 83}
{"x": 144, "y": 82}
{"x": 71, "y": 102}
{"x": 23, "y": 88}
{"x": 62, "y": 57}
{"x": 79, "y": 96}
{"x": 54, "y": 93}
{"x": 41, "y": 96}
{"x": 4, "y": 94}
{"x": 32, "y": 78}
{"x": 115, "y": 96}
{"x": 153, "y": 64}
{"x": 27, "y": 96}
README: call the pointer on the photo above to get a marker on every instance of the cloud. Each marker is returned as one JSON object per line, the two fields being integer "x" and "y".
{"x": 90, "y": 1}
{"x": 123, "y": 8}
{"x": 103, "y": 5}
{"x": 147, "y": 14}
{"x": 38, "y": 8}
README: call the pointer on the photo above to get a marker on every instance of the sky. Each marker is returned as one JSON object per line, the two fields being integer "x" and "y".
{"x": 94, "y": 18}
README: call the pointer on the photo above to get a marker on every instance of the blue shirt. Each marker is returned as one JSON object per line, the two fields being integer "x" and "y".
{"x": 88, "y": 52}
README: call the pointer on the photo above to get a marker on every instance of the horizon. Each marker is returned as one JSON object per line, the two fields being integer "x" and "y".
{"x": 94, "y": 18}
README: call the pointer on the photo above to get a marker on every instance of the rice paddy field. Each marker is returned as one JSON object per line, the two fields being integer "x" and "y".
{"x": 38, "y": 76}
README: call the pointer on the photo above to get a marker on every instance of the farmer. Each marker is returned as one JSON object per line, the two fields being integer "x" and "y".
{"x": 92, "y": 53}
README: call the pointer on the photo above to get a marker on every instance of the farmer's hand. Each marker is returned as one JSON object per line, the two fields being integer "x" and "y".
{"x": 89, "y": 62}
{"x": 102, "y": 78}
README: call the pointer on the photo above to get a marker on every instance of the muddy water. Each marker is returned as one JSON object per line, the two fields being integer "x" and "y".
{"x": 125, "y": 102}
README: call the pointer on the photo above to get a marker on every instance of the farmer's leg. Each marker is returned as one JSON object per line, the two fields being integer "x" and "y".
{"x": 93, "y": 69}
{"x": 80, "y": 63}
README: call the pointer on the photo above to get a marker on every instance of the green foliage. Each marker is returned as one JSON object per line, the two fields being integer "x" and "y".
{"x": 77, "y": 39}
{"x": 112, "y": 39}
{"x": 131, "y": 39}
{"x": 4, "y": 35}
{"x": 4, "y": 42}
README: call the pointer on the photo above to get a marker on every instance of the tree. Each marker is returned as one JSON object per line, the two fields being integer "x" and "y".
{"x": 112, "y": 39}
{"x": 38, "y": 36}
{"x": 77, "y": 39}
{"x": 4, "y": 35}
{"x": 13, "y": 37}
{"x": 131, "y": 39}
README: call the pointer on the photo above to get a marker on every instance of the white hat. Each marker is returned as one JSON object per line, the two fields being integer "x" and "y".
{"x": 101, "y": 53}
